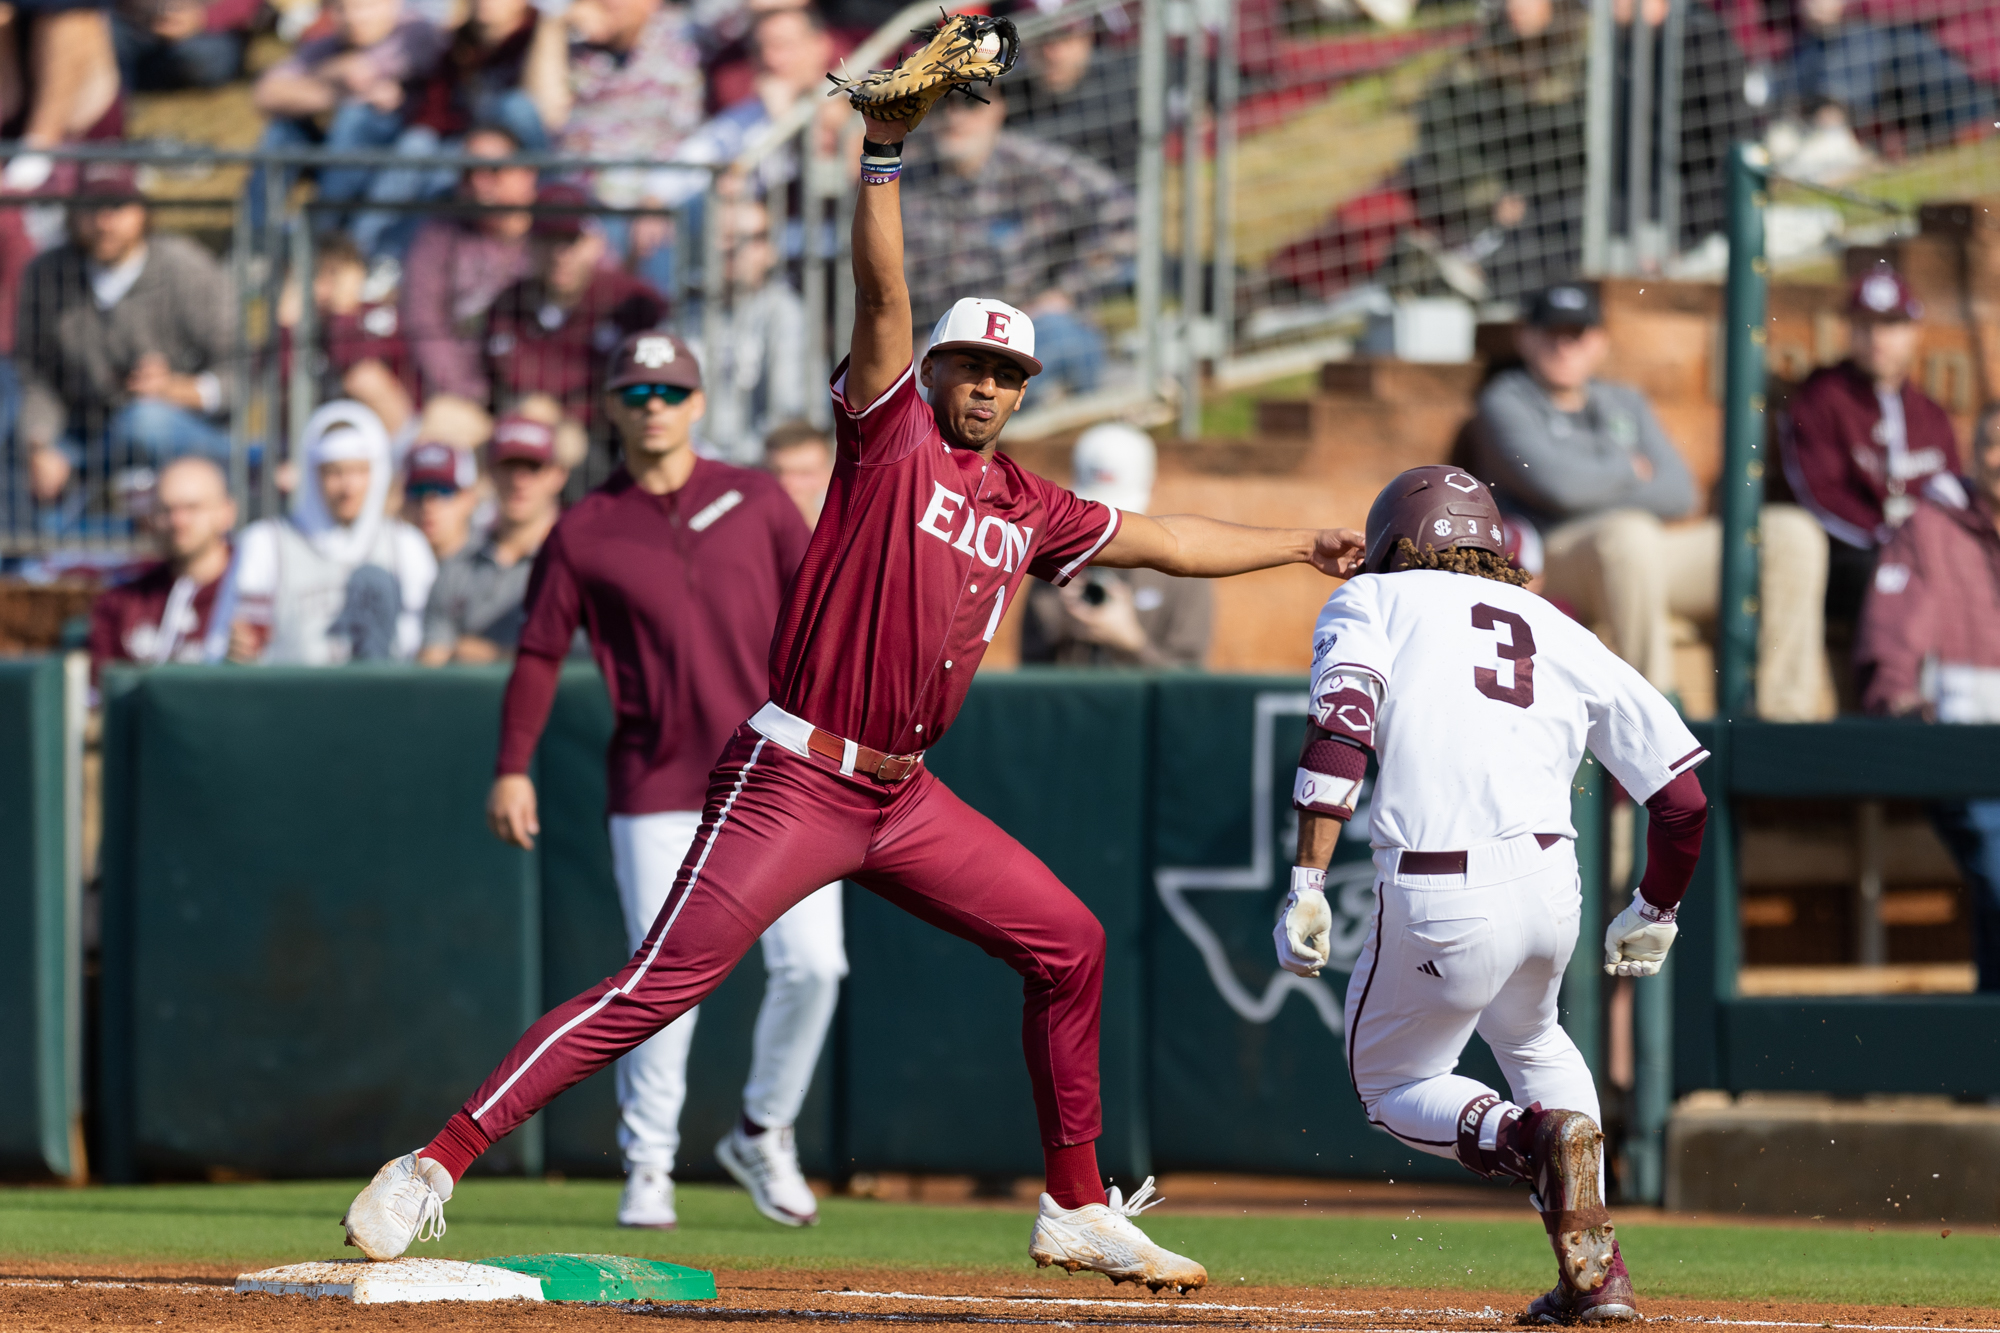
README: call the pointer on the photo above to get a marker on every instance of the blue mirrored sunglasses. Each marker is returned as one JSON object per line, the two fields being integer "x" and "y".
{"x": 635, "y": 395}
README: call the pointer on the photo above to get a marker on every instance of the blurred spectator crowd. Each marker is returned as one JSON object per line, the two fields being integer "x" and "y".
{"x": 125, "y": 344}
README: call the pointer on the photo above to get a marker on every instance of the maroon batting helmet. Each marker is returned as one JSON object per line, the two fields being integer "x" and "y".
{"x": 1437, "y": 507}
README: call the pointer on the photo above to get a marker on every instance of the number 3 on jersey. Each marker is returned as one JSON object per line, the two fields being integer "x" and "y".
{"x": 1518, "y": 648}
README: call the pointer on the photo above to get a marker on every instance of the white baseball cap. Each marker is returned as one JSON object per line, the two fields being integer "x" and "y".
{"x": 980, "y": 321}
{"x": 1113, "y": 464}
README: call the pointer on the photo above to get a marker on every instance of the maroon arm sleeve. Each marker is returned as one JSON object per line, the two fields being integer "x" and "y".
{"x": 553, "y": 610}
{"x": 1678, "y": 812}
{"x": 524, "y": 710}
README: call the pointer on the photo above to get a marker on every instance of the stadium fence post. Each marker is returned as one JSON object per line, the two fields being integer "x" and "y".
{"x": 1152, "y": 185}
{"x": 1194, "y": 79}
{"x": 1598, "y": 148}
{"x": 1742, "y": 488}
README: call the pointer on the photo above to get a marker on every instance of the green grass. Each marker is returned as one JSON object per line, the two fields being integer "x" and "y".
{"x": 253, "y": 1225}
{"x": 1232, "y": 414}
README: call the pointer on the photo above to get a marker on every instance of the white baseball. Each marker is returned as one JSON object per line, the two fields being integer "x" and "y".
{"x": 989, "y": 45}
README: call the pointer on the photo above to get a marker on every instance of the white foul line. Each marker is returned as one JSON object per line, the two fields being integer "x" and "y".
{"x": 1167, "y": 1307}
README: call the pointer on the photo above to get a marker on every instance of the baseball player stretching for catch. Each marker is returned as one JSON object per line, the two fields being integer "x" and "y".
{"x": 1477, "y": 699}
{"x": 677, "y": 568}
{"x": 926, "y": 536}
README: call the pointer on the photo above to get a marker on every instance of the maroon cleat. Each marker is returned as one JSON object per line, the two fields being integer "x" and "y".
{"x": 1564, "y": 1158}
{"x": 1611, "y": 1303}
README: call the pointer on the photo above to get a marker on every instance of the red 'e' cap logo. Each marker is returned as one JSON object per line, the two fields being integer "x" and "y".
{"x": 996, "y": 326}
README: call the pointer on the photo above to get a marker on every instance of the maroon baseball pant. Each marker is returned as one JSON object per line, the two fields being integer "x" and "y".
{"x": 776, "y": 826}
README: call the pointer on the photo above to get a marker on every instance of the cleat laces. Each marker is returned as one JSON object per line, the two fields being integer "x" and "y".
{"x": 1142, "y": 1199}
{"x": 430, "y": 1212}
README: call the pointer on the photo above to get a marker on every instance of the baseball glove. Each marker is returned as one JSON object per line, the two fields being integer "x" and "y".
{"x": 963, "y": 49}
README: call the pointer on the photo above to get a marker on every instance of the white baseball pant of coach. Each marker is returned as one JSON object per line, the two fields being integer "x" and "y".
{"x": 1454, "y": 954}
{"x": 805, "y": 956}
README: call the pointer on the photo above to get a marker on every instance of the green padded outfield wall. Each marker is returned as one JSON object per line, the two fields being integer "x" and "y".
{"x": 1248, "y": 1065}
{"x": 583, "y": 942}
{"x": 933, "y": 1078}
{"x": 319, "y": 947}
{"x": 314, "y": 948}
{"x": 39, "y": 1020}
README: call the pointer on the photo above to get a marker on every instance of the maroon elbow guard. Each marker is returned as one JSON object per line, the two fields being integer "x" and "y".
{"x": 1329, "y": 778}
{"x": 1677, "y": 814}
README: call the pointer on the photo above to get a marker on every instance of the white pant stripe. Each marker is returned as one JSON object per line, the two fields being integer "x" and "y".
{"x": 721, "y": 818}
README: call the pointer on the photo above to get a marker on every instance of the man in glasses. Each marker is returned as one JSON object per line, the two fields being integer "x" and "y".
{"x": 926, "y": 537}
{"x": 676, "y": 568}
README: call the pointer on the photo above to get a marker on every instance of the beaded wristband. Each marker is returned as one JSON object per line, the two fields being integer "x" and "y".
{"x": 880, "y": 162}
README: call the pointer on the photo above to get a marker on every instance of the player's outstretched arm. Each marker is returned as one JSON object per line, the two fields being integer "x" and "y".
{"x": 1190, "y": 546}
{"x": 882, "y": 343}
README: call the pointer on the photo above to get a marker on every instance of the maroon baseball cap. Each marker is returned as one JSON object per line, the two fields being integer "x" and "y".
{"x": 565, "y": 225}
{"x": 519, "y": 439}
{"x": 108, "y": 183}
{"x": 437, "y": 467}
{"x": 652, "y": 357}
{"x": 1881, "y": 293}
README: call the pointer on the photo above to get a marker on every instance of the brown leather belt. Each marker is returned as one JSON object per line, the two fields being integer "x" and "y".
{"x": 1452, "y": 863}
{"x": 867, "y": 762}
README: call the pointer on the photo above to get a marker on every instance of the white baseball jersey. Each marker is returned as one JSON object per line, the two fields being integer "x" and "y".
{"x": 1478, "y": 699}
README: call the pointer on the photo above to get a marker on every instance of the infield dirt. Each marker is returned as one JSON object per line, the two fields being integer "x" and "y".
{"x": 37, "y": 1296}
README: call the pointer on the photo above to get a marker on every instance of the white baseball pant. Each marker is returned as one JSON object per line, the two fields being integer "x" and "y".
{"x": 1453, "y": 954}
{"x": 805, "y": 956}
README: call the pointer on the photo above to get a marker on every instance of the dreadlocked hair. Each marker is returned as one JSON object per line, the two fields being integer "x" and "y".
{"x": 1462, "y": 560}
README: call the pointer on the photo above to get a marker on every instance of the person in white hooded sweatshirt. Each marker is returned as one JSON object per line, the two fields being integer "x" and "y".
{"x": 337, "y": 579}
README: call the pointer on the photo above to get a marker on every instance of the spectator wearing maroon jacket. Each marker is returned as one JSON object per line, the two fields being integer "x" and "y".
{"x": 457, "y": 265}
{"x": 1930, "y": 647}
{"x": 362, "y": 352}
{"x": 1860, "y": 441}
{"x": 551, "y": 332}
{"x": 164, "y": 45}
{"x": 163, "y": 614}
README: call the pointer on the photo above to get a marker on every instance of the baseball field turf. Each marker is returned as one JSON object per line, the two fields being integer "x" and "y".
{"x": 253, "y": 1225}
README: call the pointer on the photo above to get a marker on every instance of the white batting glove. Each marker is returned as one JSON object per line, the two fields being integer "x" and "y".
{"x": 1304, "y": 925}
{"x": 1637, "y": 940}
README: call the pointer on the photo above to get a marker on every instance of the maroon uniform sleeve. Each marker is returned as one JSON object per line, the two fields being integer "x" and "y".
{"x": 1678, "y": 812}
{"x": 887, "y": 430}
{"x": 1811, "y": 446}
{"x": 554, "y": 607}
{"x": 1073, "y": 532}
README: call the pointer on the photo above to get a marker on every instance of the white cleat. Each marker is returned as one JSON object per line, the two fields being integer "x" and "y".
{"x": 768, "y": 1166}
{"x": 648, "y": 1200}
{"x": 404, "y": 1203}
{"x": 1102, "y": 1238}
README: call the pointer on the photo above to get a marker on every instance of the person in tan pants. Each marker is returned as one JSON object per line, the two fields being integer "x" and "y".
{"x": 1586, "y": 461}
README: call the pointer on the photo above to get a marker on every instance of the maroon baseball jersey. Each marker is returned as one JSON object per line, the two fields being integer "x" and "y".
{"x": 125, "y": 620}
{"x": 679, "y": 594}
{"x": 919, "y": 551}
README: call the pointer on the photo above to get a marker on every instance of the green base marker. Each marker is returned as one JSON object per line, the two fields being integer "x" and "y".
{"x": 611, "y": 1277}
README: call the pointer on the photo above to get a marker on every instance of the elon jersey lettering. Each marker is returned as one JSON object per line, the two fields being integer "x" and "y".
{"x": 918, "y": 554}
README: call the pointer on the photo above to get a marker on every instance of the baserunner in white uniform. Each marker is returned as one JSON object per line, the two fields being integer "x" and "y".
{"x": 1477, "y": 699}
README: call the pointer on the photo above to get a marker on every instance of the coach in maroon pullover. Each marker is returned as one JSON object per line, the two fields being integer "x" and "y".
{"x": 677, "y": 568}
{"x": 1860, "y": 441}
